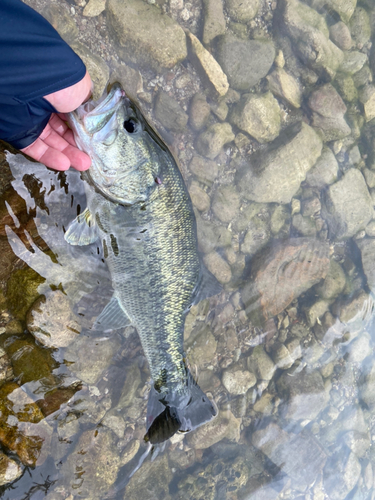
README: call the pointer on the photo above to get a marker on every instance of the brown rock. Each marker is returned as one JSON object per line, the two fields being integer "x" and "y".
{"x": 282, "y": 273}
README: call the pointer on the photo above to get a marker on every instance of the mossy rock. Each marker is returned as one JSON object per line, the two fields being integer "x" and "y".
{"x": 22, "y": 291}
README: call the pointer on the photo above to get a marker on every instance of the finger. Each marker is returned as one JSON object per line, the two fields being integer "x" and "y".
{"x": 57, "y": 124}
{"x": 48, "y": 156}
{"x": 78, "y": 159}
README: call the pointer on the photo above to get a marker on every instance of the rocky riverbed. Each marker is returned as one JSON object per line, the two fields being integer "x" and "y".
{"x": 269, "y": 107}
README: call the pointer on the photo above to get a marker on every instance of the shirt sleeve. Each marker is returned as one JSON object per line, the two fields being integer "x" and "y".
{"x": 34, "y": 61}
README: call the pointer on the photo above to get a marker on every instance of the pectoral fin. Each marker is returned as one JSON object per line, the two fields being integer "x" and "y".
{"x": 112, "y": 317}
{"x": 207, "y": 286}
{"x": 82, "y": 230}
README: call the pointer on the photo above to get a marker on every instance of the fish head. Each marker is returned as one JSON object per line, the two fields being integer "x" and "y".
{"x": 113, "y": 132}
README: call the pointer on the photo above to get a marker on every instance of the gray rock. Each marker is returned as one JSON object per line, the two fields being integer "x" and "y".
{"x": 258, "y": 115}
{"x": 340, "y": 35}
{"x": 245, "y": 62}
{"x": 367, "y": 387}
{"x": 51, "y": 320}
{"x": 214, "y": 21}
{"x": 333, "y": 284}
{"x": 316, "y": 311}
{"x": 261, "y": 364}
{"x": 238, "y": 381}
{"x": 360, "y": 26}
{"x": 226, "y": 203}
{"x": 199, "y": 112}
{"x": 309, "y": 34}
{"x": 201, "y": 345}
{"x": 151, "y": 39}
{"x": 328, "y": 113}
{"x": 362, "y": 77}
{"x": 209, "y": 69}
{"x": 130, "y": 78}
{"x": 305, "y": 226}
{"x": 225, "y": 425}
{"x": 100, "y": 355}
{"x": 325, "y": 170}
{"x": 212, "y": 140}
{"x": 282, "y": 273}
{"x": 367, "y": 248}
{"x": 346, "y": 87}
{"x": 370, "y": 229}
{"x": 169, "y": 113}
{"x": 304, "y": 396}
{"x": 367, "y": 97}
{"x": 274, "y": 175}
{"x": 344, "y": 8}
{"x": 242, "y": 11}
{"x": 341, "y": 474}
{"x": 359, "y": 348}
{"x": 279, "y": 218}
{"x": 281, "y": 356}
{"x": 257, "y": 236}
{"x": 131, "y": 385}
{"x": 205, "y": 170}
{"x": 218, "y": 267}
{"x": 94, "y": 8}
{"x": 358, "y": 442}
{"x": 199, "y": 197}
{"x": 353, "y": 310}
{"x": 6, "y": 369}
{"x": 211, "y": 236}
{"x": 347, "y": 206}
{"x": 285, "y": 86}
{"x": 95, "y": 65}
{"x": 353, "y": 62}
{"x": 299, "y": 456}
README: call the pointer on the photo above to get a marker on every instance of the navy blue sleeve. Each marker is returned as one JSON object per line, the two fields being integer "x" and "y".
{"x": 34, "y": 62}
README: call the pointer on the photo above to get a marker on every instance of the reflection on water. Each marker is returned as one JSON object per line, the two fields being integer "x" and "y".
{"x": 271, "y": 116}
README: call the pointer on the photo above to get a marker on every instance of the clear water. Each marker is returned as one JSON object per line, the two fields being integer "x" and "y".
{"x": 304, "y": 429}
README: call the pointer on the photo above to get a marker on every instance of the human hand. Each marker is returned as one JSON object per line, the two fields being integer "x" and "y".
{"x": 56, "y": 147}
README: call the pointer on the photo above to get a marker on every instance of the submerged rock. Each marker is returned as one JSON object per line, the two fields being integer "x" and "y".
{"x": 242, "y": 11}
{"x": 258, "y": 115}
{"x": 274, "y": 174}
{"x": 51, "y": 320}
{"x": 199, "y": 112}
{"x": 341, "y": 474}
{"x": 360, "y": 26}
{"x": 347, "y": 206}
{"x": 94, "y": 8}
{"x": 201, "y": 345}
{"x": 325, "y": 170}
{"x": 96, "y": 66}
{"x": 340, "y": 35}
{"x": 10, "y": 470}
{"x": 367, "y": 248}
{"x": 208, "y": 67}
{"x": 226, "y": 203}
{"x": 238, "y": 381}
{"x": 214, "y": 21}
{"x": 298, "y": 455}
{"x": 212, "y": 140}
{"x": 151, "y": 481}
{"x": 281, "y": 274}
{"x": 22, "y": 291}
{"x": 169, "y": 113}
{"x": 245, "y": 62}
{"x": 285, "y": 86}
{"x": 64, "y": 24}
{"x": 145, "y": 35}
{"x": 225, "y": 425}
{"x": 328, "y": 113}
{"x": 304, "y": 395}
{"x": 261, "y": 364}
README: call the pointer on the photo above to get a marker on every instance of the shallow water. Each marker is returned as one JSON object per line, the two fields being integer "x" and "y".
{"x": 283, "y": 192}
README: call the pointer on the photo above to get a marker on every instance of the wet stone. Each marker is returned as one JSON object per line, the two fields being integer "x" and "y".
{"x": 100, "y": 354}
{"x": 358, "y": 442}
{"x": 199, "y": 197}
{"x": 238, "y": 381}
{"x": 10, "y": 470}
{"x": 225, "y": 425}
{"x": 304, "y": 396}
{"x": 360, "y": 27}
{"x": 51, "y": 320}
{"x": 199, "y": 112}
{"x": 346, "y": 88}
{"x": 212, "y": 140}
{"x": 205, "y": 170}
{"x": 340, "y": 35}
{"x": 22, "y": 291}
{"x": 367, "y": 248}
{"x": 261, "y": 364}
{"x": 6, "y": 369}
{"x": 281, "y": 274}
{"x": 353, "y": 62}
{"x": 325, "y": 170}
{"x": 281, "y": 356}
{"x": 316, "y": 311}
{"x": 208, "y": 67}
{"x": 211, "y": 236}
{"x": 245, "y": 62}
{"x": 305, "y": 226}
{"x": 367, "y": 387}
{"x": 299, "y": 456}
{"x": 96, "y": 66}
{"x": 258, "y": 115}
{"x": 94, "y": 8}
{"x": 201, "y": 345}
{"x": 274, "y": 175}
{"x": 279, "y": 218}
{"x": 214, "y": 21}
{"x": 169, "y": 113}
{"x": 64, "y": 24}
{"x": 334, "y": 283}
{"x": 285, "y": 86}
{"x": 348, "y": 205}
{"x": 226, "y": 203}
{"x": 359, "y": 348}
{"x": 257, "y": 236}
{"x": 341, "y": 474}
{"x": 152, "y": 39}
{"x": 242, "y": 11}
{"x": 348, "y": 310}
{"x": 328, "y": 113}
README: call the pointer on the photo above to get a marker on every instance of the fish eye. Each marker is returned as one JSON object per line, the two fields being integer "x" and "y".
{"x": 131, "y": 125}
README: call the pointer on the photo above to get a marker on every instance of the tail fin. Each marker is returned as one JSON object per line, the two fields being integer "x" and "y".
{"x": 163, "y": 421}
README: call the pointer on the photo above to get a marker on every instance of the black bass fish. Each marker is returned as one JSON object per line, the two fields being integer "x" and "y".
{"x": 139, "y": 208}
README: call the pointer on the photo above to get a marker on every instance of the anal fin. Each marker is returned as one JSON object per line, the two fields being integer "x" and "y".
{"x": 112, "y": 317}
